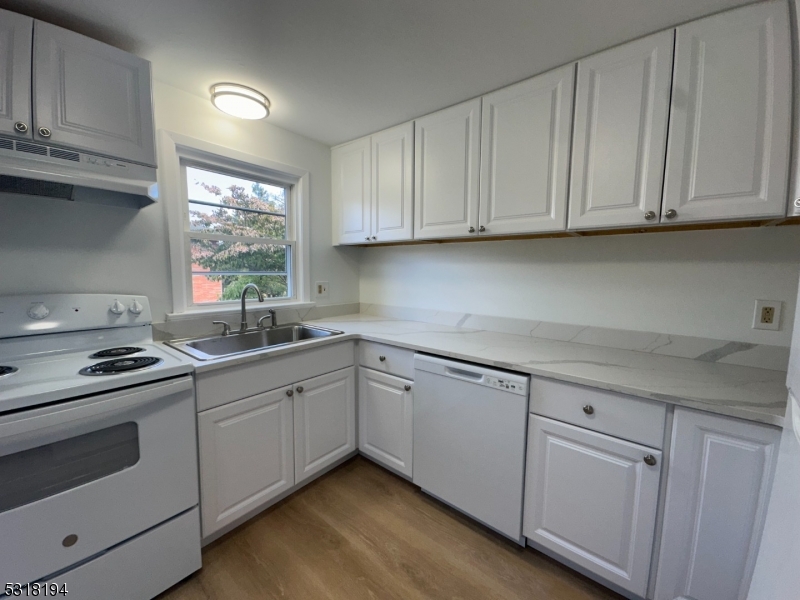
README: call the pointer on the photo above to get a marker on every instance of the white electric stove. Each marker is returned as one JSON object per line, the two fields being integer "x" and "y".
{"x": 98, "y": 450}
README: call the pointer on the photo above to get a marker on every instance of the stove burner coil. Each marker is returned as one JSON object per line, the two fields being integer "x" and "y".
{"x": 121, "y": 365}
{"x": 112, "y": 352}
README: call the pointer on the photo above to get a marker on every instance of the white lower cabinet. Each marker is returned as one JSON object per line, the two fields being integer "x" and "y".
{"x": 385, "y": 430}
{"x": 592, "y": 499}
{"x": 324, "y": 421}
{"x": 720, "y": 475}
{"x": 246, "y": 456}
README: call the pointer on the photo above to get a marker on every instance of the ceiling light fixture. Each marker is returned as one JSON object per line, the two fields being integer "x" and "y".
{"x": 239, "y": 101}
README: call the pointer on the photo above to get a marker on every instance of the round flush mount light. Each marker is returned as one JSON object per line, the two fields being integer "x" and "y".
{"x": 239, "y": 101}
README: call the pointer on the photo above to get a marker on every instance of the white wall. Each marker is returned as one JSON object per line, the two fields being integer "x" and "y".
{"x": 701, "y": 283}
{"x": 59, "y": 246}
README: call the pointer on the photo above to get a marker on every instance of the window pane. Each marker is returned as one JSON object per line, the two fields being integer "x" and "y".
{"x": 231, "y": 221}
{"x": 213, "y": 288}
{"x": 221, "y": 269}
{"x": 230, "y": 190}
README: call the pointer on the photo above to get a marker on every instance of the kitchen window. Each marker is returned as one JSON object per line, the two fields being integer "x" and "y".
{"x": 237, "y": 232}
{"x": 234, "y": 219}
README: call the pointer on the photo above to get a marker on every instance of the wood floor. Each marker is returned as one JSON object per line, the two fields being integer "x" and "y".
{"x": 361, "y": 532}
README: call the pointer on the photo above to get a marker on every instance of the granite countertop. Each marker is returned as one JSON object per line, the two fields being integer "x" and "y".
{"x": 750, "y": 393}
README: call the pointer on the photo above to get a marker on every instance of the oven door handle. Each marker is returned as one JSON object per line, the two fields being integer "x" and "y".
{"x": 64, "y": 415}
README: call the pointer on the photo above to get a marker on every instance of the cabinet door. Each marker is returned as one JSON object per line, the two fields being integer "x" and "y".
{"x": 730, "y": 125}
{"x": 246, "y": 456}
{"x": 592, "y": 499}
{"x": 386, "y": 420}
{"x": 16, "y": 35}
{"x": 392, "y": 183}
{"x": 525, "y": 148}
{"x": 350, "y": 168}
{"x": 446, "y": 168}
{"x": 92, "y": 96}
{"x": 324, "y": 421}
{"x": 621, "y": 114}
{"x": 718, "y": 486}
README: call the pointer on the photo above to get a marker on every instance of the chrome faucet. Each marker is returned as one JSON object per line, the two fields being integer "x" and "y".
{"x": 249, "y": 286}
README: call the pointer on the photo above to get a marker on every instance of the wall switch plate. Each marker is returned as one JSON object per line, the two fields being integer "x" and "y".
{"x": 767, "y": 315}
{"x": 321, "y": 289}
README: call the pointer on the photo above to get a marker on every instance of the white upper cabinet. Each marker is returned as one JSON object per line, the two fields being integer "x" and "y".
{"x": 16, "y": 35}
{"x": 447, "y": 163}
{"x": 621, "y": 115}
{"x": 351, "y": 181}
{"x": 730, "y": 126}
{"x": 525, "y": 149}
{"x": 592, "y": 499}
{"x": 720, "y": 475}
{"x": 91, "y": 96}
{"x": 393, "y": 184}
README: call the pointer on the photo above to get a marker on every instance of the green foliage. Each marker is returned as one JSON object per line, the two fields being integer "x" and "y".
{"x": 235, "y": 256}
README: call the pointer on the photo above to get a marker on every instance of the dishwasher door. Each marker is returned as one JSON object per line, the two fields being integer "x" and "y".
{"x": 469, "y": 439}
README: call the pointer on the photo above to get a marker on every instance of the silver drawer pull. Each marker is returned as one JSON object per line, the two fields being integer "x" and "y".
{"x": 382, "y": 358}
{"x": 650, "y": 460}
{"x": 299, "y": 389}
{"x": 289, "y": 393}
{"x": 44, "y": 132}
{"x": 588, "y": 409}
{"x": 21, "y": 127}
{"x": 407, "y": 387}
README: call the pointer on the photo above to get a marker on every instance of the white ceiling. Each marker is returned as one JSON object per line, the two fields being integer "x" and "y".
{"x": 338, "y": 69}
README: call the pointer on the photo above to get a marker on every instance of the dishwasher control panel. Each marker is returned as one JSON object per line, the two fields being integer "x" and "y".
{"x": 507, "y": 385}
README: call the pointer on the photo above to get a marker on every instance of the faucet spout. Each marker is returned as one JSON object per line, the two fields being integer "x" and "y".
{"x": 249, "y": 286}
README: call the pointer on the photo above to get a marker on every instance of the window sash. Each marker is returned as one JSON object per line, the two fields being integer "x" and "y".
{"x": 289, "y": 241}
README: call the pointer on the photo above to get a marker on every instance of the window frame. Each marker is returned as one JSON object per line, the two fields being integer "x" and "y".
{"x": 176, "y": 152}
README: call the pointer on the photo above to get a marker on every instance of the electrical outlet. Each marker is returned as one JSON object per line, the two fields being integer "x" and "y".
{"x": 767, "y": 315}
{"x": 321, "y": 288}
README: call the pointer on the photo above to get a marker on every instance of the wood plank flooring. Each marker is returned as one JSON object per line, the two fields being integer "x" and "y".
{"x": 361, "y": 532}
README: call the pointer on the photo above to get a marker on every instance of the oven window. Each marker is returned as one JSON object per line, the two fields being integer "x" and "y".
{"x": 44, "y": 471}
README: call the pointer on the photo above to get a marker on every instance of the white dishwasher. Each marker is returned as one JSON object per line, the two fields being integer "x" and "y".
{"x": 469, "y": 439}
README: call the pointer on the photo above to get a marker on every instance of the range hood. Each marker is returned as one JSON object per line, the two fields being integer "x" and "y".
{"x": 35, "y": 169}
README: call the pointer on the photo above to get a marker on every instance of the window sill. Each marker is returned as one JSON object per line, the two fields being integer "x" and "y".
{"x": 196, "y": 312}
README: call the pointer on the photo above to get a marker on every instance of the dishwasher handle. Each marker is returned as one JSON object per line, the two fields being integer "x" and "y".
{"x": 464, "y": 375}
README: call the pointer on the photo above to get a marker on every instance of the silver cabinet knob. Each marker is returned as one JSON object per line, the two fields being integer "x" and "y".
{"x": 650, "y": 215}
{"x": 588, "y": 409}
{"x": 671, "y": 213}
{"x": 367, "y": 238}
{"x": 382, "y": 358}
{"x": 796, "y": 202}
{"x": 374, "y": 237}
{"x": 407, "y": 387}
{"x": 289, "y": 393}
{"x": 299, "y": 389}
{"x": 482, "y": 229}
{"x": 471, "y": 230}
{"x": 45, "y": 132}
{"x": 650, "y": 460}
{"x": 21, "y": 127}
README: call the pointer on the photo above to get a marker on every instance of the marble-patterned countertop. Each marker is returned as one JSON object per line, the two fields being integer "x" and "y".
{"x": 749, "y": 393}
{"x": 746, "y": 392}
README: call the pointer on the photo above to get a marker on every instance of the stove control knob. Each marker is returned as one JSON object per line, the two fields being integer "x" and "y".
{"x": 117, "y": 308}
{"x": 38, "y": 311}
{"x": 136, "y": 308}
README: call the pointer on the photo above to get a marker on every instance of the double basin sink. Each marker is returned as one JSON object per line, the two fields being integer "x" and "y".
{"x": 252, "y": 340}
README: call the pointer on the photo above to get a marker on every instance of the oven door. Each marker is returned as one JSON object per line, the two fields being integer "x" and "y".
{"x": 78, "y": 477}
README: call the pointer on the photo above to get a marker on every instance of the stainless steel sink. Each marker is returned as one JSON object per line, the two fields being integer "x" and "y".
{"x": 250, "y": 341}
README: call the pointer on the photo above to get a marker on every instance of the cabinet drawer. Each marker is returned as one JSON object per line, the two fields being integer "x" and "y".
{"x": 621, "y": 416}
{"x": 221, "y": 386}
{"x": 387, "y": 359}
